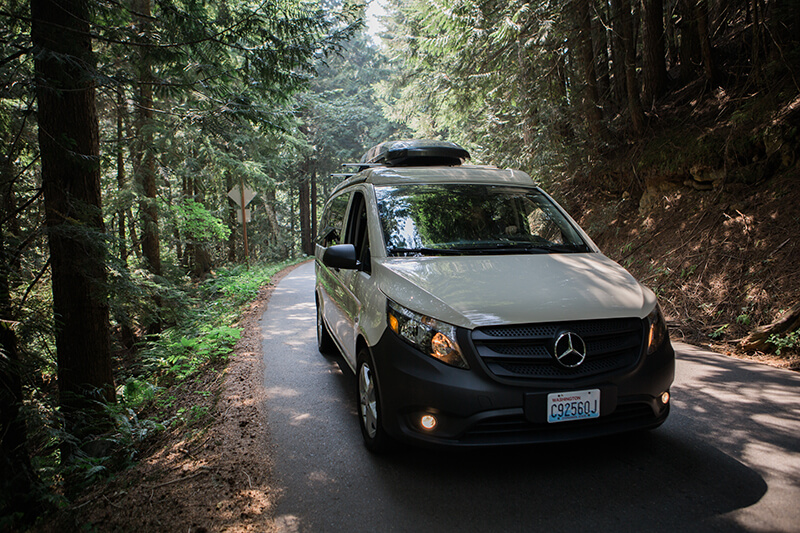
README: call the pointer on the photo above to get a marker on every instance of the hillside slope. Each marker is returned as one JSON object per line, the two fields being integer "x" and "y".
{"x": 705, "y": 210}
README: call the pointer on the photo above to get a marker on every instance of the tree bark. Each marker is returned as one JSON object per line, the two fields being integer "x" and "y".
{"x": 563, "y": 126}
{"x": 232, "y": 224}
{"x": 690, "y": 55}
{"x": 151, "y": 241}
{"x": 270, "y": 201}
{"x": 121, "y": 177}
{"x": 703, "y": 34}
{"x": 313, "y": 209}
{"x": 19, "y": 483}
{"x": 618, "y": 87}
{"x": 20, "y": 487}
{"x": 591, "y": 99}
{"x": 70, "y": 157}
{"x": 600, "y": 40}
{"x": 304, "y": 200}
{"x": 624, "y": 27}
{"x": 654, "y": 51}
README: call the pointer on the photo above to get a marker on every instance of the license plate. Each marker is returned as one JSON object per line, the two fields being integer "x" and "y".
{"x": 575, "y": 405}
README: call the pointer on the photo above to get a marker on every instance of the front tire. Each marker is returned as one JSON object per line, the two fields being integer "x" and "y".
{"x": 370, "y": 416}
{"x": 325, "y": 343}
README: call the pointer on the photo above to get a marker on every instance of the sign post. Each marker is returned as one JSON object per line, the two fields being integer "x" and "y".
{"x": 242, "y": 197}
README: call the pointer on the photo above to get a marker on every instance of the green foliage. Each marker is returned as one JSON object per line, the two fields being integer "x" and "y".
{"x": 133, "y": 293}
{"x": 476, "y": 72}
{"x": 203, "y": 335}
{"x": 687, "y": 272}
{"x": 198, "y": 223}
{"x": 240, "y": 284}
{"x": 719, "y": 332}
{"x": 192, "y": 416}
{"x": 743, "y": 318}
{"x": 790, "y": 340}
{"x": 135, "y": 392}
{"x": 184, "y": 356}
{"x": 342, "y": 116}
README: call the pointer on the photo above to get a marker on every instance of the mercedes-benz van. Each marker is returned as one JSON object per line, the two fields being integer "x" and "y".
{"x": 474, "y": 311}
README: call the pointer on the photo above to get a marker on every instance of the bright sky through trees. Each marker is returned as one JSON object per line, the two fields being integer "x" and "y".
{"x": 374, "y": 25}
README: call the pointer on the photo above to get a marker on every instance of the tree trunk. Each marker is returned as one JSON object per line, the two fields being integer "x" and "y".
{"x": 618, "y": 87}
{"x": 20, "y": 488}
{"x": 690, "y": 55}
{"x": 624, "y": 28}
{"x": 19, "y": 483}
{"x": 304, "y": 199}
{"x": 703, "y": 34}
{"x": 590, "y": 98}
{"x": 602, "y": 60}
{"x": 70, "y": 157}
{"x": 526, "y": 82}
{"x": 11, "y": 226}
{"x": 231, "y": 218}
{"x": 756, "y": 38}
{"x": 126, "y": 333}
{"x": 563, "y": 127}
{"x": 313, "y": 208}
{"x": 655, "y": 65}
{"x": 670, "y": 35}
{"x": 121, "y": 178}
{"x": 274, "y": 229}
{"x": 151, "y": 241}
{"x": 292, "y": 219}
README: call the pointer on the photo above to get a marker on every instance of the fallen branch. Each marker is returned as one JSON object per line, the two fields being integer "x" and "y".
{"x": 758, "y": 339}
{"x": 204, "y": 470}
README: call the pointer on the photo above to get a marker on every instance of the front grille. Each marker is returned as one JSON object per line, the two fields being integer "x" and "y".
{"x": 526, "y": 351}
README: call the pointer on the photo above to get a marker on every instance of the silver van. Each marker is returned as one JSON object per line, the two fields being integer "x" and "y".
{"x": 474, "y": 311}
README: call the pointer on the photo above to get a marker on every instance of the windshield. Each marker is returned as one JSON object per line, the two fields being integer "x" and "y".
{"x": 472, "y": 219}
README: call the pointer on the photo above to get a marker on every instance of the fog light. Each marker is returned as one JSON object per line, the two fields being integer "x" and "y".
{"x": 428, "y": 422}
{"x": 665, "y": 398}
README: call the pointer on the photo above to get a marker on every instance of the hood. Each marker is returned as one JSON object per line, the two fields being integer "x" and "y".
{"x": 472, "y": 291}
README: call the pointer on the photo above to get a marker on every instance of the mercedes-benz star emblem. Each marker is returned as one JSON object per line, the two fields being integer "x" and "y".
{"x": 569, "y": 350}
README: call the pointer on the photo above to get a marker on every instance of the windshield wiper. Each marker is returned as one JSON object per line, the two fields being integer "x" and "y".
{"x": 489, "y": 249}
{"x": 530, "y": 248}
{"x": 394, "y": 250}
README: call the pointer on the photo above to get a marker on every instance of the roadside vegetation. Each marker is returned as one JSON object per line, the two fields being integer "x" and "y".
{"x": 168, "y": 386}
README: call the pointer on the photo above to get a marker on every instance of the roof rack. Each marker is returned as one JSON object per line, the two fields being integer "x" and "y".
{"x": 422, "y": 152}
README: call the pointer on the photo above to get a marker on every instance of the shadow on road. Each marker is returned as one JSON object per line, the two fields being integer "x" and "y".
{"x": 727, "y": 459}
{"x": 653, "y": 481}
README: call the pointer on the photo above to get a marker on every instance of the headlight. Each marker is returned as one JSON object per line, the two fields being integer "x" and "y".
{"x": 657, "y": 330}
{"x": 426, "y": 334}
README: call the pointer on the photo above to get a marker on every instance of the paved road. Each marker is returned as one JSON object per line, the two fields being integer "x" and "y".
{"x": 727, "y": 459}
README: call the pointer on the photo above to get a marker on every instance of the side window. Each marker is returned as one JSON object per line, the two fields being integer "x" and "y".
{"x": 357, "y": 233}
{"x": 331, "y": 223}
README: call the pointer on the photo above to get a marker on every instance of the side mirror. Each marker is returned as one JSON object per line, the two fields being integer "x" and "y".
{"x": 340, "y": 256}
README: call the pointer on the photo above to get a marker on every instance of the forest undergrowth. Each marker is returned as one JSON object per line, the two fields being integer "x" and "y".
{"x": 196, "y": 453}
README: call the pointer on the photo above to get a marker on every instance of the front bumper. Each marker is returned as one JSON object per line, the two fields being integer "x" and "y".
{"x": 474, "y": 408}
